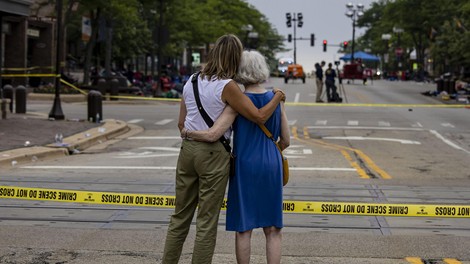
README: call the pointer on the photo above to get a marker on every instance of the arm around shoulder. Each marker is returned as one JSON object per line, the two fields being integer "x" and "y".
{"x": 213, "y": 134}
{"x": 244, "y": 106}
{"x": 284, "y": 140}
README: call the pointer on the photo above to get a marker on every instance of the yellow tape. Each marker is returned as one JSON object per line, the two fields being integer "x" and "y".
{"x": 381, "y": 105}
{"x": 73, "y": 86}
{"x": 43, "y": 194}
{"x": 28, "y": 69}
{"x": 300, "y": 207}
{"x": 31, "y": 75}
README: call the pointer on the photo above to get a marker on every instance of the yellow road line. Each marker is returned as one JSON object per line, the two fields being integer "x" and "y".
{"x": 376, "y": 168}
{"x": 414, "y": 260}
{"x": 306, "y": 135}
{"x": 451, "y": 261}
{"x": 294, "y": 132}
{"x": 361, "y": 154}
{"x": 354, "y": 164}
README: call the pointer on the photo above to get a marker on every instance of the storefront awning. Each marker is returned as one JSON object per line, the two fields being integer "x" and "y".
{"x": 15, "y": 7}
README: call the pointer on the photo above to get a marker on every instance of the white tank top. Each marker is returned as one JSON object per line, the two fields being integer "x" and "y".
{"x": 210, "y": 93}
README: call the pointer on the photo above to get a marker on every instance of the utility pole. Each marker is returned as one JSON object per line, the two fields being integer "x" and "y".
{"x": 298, "y": 21}
{"x": 297, "y": 18}
{"x": 56, "y": 111}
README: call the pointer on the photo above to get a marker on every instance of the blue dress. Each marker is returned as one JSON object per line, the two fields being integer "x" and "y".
{"x": 255, "y": 191}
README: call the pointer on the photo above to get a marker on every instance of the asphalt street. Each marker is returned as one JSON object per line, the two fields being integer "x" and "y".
{"x": 139, "y": 154}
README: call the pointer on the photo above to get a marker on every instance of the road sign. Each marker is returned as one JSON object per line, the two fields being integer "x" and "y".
{"x": 399, "y": 51}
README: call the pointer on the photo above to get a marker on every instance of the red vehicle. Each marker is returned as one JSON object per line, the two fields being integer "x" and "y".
{"x": 353, "y": 71}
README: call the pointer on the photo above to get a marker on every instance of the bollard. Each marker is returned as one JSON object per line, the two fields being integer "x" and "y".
{"x": 95, "y": 107}
{"x": 446, "y": 85}
{"x": 114, "y": 88}
{"x": 102, "y": 87}
{"x": 452, "y": 87}
{"x": 440, "y": 85}
{"x": 8, "y": 93}
{"x": 4, "y": 108}
{"x": 20, "y": 100}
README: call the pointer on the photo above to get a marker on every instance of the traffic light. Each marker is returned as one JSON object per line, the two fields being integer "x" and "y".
{"x": 289, "y": 20}
{"x": 324, "y": 45}
{"x": 345, "y": 45}
{"x": 300, "y": 21}
{"x": 289, "y": 38}
{"x": 312, "y": 40}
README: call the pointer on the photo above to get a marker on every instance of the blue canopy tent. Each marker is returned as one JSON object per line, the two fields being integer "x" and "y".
{"x": 360, "y": 55}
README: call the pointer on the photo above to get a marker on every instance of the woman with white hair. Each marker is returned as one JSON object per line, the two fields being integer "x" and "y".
{"x": 255, "y": 191}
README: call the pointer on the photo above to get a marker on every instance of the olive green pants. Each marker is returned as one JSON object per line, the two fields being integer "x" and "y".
{"x": 201, "y": 179}
{"x": 319, "y": 84}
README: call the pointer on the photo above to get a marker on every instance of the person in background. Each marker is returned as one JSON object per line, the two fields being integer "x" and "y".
{"x": 330, "y": 75}
{"x": 202, "y": 168}
{"x": 255, "y": 191}
{"x": 319, "y": 81}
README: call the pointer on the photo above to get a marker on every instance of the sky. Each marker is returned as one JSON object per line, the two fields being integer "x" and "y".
{"x": 324, "y": 18}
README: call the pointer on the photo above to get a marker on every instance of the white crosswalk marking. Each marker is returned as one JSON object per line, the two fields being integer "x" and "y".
{"x": 384, "y": 124}
{"x": 292, "y": 122}
{"x": 307, "y": 151}
{"x": 418, "y": 124}
{"x": 447, "y": 125}
{"x": 163, "y": 122}
{"x": 320, "y": 123}
{"x": 353, "y": 123}
{"x": 135, "y": 121}
{"x": 297, "y": 97}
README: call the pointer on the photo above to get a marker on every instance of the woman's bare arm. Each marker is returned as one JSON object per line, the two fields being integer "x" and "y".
{"x": 284, "y": 140}
{"x": 213, "y": 134}
{"x": 233, "y": 96}
{"x": 182, "y": 116}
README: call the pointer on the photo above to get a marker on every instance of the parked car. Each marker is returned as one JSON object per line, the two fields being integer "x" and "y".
{"x": 294, "y": 71}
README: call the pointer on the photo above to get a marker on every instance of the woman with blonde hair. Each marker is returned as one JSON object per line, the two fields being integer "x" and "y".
{"x": 255, "y": 191}
{"x": 203, "y": 167}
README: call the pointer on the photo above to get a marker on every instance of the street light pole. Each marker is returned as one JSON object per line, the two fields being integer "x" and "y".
{"x": 298, "y": 21}
{"x": 56, "y": 111}
{"x": 295, "y": 37}
{"x": 398, "y": 49}
{"x": 354, "y": 12}
{"x": 247, "y": 28}
{"x": 3, "y": 103}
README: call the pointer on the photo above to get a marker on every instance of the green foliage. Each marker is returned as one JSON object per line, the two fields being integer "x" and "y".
{"x": 185, "y": 23}
{"x": 436, "y": 30}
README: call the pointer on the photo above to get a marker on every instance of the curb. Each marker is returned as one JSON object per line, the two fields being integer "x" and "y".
{"x": 66, "y": 98}
{"x": 73, "y": 144}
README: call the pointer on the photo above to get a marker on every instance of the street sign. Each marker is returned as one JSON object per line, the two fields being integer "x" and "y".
{"x": 398, "y": 51}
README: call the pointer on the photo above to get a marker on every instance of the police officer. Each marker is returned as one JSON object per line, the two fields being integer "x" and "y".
{"x": 319, "y": 81}
{"x": 330, "y": 75}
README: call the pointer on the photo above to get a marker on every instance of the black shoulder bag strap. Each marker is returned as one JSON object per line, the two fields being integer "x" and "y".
{"x": 203, "y": 112}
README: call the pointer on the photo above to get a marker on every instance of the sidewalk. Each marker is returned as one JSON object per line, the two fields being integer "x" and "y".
{"x": 30, "y": 137}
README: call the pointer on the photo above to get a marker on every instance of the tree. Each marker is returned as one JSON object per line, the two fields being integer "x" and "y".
{"x": 141, "y": 27}
{"x": 427, "y": 25}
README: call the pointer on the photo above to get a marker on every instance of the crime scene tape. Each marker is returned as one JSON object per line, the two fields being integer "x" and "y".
{"x": 380, "y": 105}
{"x": 300, "y": 207}
{"x": 27, "y": 69}
{"x": 31, "y": 75}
